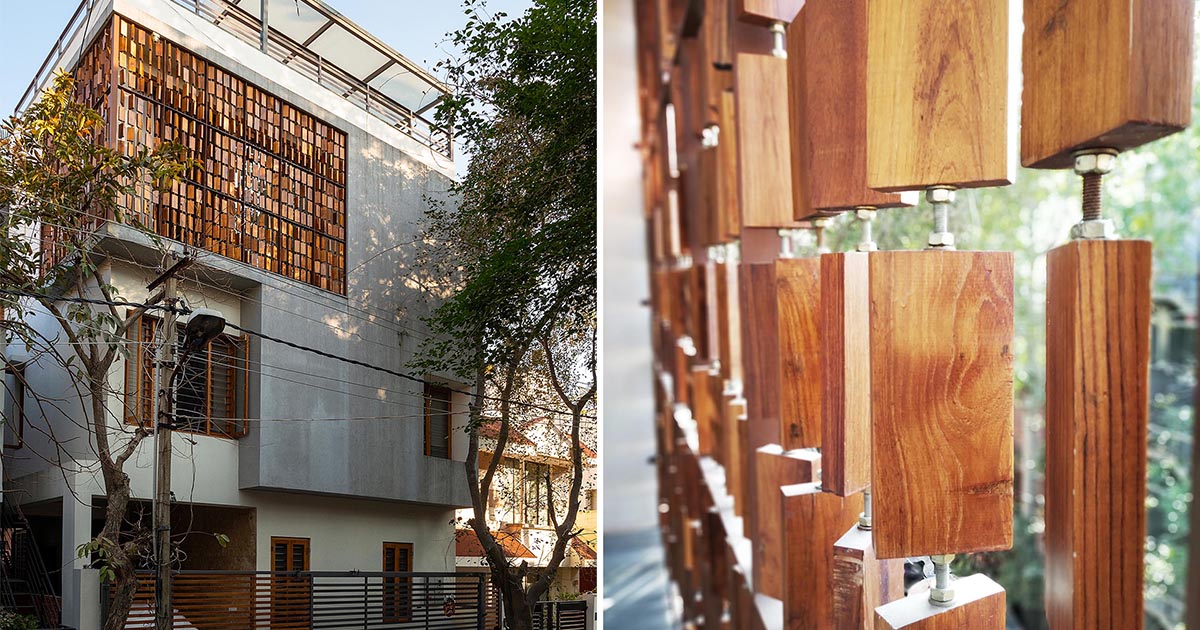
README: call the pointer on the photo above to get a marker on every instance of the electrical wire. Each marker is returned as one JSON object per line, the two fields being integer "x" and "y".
{"x": 322, "y": 353}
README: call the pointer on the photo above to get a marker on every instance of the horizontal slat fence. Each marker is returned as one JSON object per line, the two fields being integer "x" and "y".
{"x": 216, "y": 600}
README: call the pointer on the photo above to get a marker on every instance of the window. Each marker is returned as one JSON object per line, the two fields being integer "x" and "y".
{"x": 397, "y": 589}
{"x": 437, "y": 421}
{"x": 14, "y": 406}
{"x": 210, "y": 389}
{"x": 537, "y": 509}
{"x": 290, "y": 594}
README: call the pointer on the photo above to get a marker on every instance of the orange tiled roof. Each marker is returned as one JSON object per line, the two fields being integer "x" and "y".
{"x": 467, "y": 544}
{"x": 582, "y": 548}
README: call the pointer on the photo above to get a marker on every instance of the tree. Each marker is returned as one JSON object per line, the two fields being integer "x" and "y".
{"x": 516, "y": 254}
{"x": 58, "y": 182}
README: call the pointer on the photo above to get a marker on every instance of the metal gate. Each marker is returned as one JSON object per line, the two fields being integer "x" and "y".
{"x": 316, "y": 600}
{"x": 560, "y": 615}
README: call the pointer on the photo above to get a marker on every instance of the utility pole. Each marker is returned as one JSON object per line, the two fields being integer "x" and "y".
{"x": 166, "y": 369}
{"x": 164, "y": 418}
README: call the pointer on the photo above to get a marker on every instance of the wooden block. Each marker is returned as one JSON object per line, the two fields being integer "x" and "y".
{"x": 729, "y": 207}
{"x": 798, "y": 291}
{"x": 767, "y": 11}
{"x": 733, "y": 317}
{"x": 760, "y": 352}
{"x": 846, "y": 373}
{"x": 763, "y": 140}
{"x": 735, "y": 416}
{"x": 704, "y": 408}
{"x": 941, "y": 401}
{"x": 940, "y": 98}
{"x": 775, "y": 468}
{"x": 862, "y": 582}
{"x": 1097, "y": 401}
{"x": 827, "y": 88}
{"x": 813, "y": 522}
{"x": 1104, "y": 73}
{"x": 979, "y": 604}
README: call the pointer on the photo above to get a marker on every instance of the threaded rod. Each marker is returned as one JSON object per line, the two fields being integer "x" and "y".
{"x": 1093, "y": 196}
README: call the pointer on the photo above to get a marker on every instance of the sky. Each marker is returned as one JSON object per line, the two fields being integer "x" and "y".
{"x": 415, "y": 28}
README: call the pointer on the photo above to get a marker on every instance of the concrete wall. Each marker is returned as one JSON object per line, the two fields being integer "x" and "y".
{"x": 347, "y": 534}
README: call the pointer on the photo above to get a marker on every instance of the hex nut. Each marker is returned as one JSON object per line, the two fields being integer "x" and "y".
{"x": 867, "y": 246}
{"x": 941, "y": 596}
{"x": 941, "y": 239}
{"x": 939, "y": 194}
{"x": 1095, "y": 162}
{"x": 865, "y": 214}
{"x": 1096, "y": 229}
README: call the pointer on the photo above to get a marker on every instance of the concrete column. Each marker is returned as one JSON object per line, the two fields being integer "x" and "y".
{"x": 81, "y": 587}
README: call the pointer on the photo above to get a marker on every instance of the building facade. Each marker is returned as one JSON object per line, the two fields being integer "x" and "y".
{"x": 314, "y": 160}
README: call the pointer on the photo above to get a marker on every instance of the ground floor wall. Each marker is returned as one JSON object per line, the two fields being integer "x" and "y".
{"x": 342, "y": 534}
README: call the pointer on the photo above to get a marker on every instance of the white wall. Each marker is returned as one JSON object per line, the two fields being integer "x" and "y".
{"x": 348, "y": 534}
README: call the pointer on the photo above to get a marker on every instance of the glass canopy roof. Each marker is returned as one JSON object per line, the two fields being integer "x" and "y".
{"x": 315, "y": 26}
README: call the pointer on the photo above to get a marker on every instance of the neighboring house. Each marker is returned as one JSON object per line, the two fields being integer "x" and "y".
{"x": 307, "y": 181}
{"x": 519, "y": 515}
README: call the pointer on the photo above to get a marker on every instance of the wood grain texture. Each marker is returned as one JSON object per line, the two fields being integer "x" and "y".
{"x": 938, "y": 94}
{"x": 775, "y": 468}
{"x": 813, "y": 522}
{"x": 861, "y": 582}
{"x": 979, "y": 605}
{"x": 729, "y": 209}
{"x": 1097, "y": 405}
{"x": 827, "y": 94}
{"x": 846, "y": 373}
{"x": 767, "y": 11}
{"x": 735, "y": 419}
{"x": 760, "y": 351}
{"x": 704, "y": 408}
{"x": 798, "y": 290}
{"x": 1104, "y": 73}
{"x": 764, "y": 147}
{"x": 941, "y": 401}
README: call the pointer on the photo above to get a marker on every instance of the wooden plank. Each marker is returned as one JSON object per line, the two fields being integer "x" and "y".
{"x": 735, "y": 418}
{"x": 764, "y": 147}
{"x": 942, "y": 401}
{"x": 979, "y": 604}
{"x": 729, "y": 207}
{"x": 798, "y": 289}
{"x": 862, "y": 582}
{"x": 1097, "y": 405}
{"x": 827, "y": 88}
{"x": 1105, "y": 73}
{"x": 939, "y": 110}
{"x": 775, "y": 468}
{"x": 704, "y": 408}
{"x": 768, "y": 11}
{"x": 846, "y": 373}
{"x": 760, "y": 345}
{"x": 813, "y": 522}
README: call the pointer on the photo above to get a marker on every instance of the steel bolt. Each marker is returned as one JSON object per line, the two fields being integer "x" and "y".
{"x": 866, "y": 215}
{"x": 941, "y": 594}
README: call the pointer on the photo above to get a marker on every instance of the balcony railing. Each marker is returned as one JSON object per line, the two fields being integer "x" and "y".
{"x": 233, "y": 19}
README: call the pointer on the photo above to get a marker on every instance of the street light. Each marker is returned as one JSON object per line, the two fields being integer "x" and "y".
{"x": 203, "y": 325}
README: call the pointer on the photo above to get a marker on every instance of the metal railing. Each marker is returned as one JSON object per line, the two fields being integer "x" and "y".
{"x": 246, "y": 27}
{"x": 317, "y": 600}
{"x": 24, "y": 582}
{"x": 79, "y": 21}
{"x": 570, "y": 615}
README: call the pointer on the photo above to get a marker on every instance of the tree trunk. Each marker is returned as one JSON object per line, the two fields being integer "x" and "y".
{"x": 518, "y": 614}
{"x": 120, "y": 561}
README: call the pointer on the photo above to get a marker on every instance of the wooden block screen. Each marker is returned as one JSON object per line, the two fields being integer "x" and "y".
{"x": 813, "y": 522}
{"x": 941, "y": 401}
{"x": 846, "y": 378}
{"x": 269, "y": 186}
